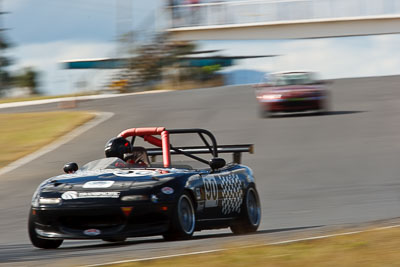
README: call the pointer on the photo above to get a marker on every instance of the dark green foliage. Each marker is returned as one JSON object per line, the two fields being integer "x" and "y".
{"x": 151, "y": 58}
{"x": 5, "y": 78}
{"x": 28, "y": 79}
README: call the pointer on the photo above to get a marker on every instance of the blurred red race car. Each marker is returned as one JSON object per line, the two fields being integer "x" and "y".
{"x": 291, "y": 91}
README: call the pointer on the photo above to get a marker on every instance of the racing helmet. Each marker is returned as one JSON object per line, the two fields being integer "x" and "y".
{"x": 117, "y": 147}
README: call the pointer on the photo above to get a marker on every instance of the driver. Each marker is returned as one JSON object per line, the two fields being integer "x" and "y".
{"x": 121, "y": 148}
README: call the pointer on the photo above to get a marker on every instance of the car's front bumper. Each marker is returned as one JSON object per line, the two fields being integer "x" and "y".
{"x": 101, "y": 222}
{"x": 293, "y": 105}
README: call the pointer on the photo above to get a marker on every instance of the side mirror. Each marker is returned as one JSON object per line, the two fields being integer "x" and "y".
{"x": 70, "y": 167}
{"x": 217, "y": 163}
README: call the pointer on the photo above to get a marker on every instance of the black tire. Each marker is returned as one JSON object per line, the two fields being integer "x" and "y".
{"x": 324, "y": 110}
{"x": 184, "y": 219}
{"x": 264, "y": 113}
{"x": 40, "y": 242}
{"x": 250, "y": 215}
{"x": 326, "y": 105}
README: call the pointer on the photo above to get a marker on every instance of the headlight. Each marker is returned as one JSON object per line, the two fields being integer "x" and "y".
{"x": 49, "y": 201}
{"x": 154, "y": 198}
{"x": 276, "y": 96}
{"x": 35, "y": 200}
{"x": 134, "y": 198}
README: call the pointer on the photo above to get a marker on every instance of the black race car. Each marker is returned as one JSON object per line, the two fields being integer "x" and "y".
{"x": 124, "y": 195}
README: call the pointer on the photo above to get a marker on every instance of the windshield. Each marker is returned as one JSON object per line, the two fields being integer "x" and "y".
{"x": 106, "y": 163}
{"x": 117, "y": 163}
{"x": 298, "y": 78}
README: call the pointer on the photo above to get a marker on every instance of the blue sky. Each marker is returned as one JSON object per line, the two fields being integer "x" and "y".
{"x": 42, "y": 21}
{"x": 47, "y": 32}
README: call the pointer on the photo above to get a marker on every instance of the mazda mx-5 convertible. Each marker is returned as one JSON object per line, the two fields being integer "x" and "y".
{"x": 292, "y": 91}
{"x": 128, "y": 195}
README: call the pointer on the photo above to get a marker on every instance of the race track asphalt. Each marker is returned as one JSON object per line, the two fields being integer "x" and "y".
{"x": 311, "y": 170}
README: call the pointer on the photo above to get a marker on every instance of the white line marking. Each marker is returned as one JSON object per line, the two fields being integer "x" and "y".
{"x": 312, "y": 238}
{"x": 158, "y": 257}
{"x": 100, "y": 117}
{"x": 386, "y": 227}
{"x": 248, "y": 246}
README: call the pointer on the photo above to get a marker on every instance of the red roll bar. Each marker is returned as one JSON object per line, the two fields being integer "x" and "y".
{"x": 142, "y": 131}
{"x": 147, "y": 134}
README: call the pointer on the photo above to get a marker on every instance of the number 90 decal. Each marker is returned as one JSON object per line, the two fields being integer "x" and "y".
{"x": 211, "y": 192}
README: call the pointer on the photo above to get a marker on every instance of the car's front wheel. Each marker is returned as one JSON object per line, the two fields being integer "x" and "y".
{"x": 325, "y": 105}
{"x": 36, "y": 240}
{"x": 183, "y": 221}
{"x": 250, "y": 216}
{"x": 264, "y": 113}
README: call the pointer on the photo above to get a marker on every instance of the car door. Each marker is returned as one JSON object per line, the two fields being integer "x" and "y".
{"x": 212, "y": 195}
{"x": 223, "y": 194}
{"x": 231, "y": 192}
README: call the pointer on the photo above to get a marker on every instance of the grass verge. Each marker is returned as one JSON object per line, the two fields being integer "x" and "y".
{"x": 371, "y": 248}
{"x": 24, "y": 133}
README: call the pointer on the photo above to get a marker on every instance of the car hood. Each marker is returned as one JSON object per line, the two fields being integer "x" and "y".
{"x": 112, "y": 179}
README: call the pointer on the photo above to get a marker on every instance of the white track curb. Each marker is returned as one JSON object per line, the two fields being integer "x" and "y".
{"x": 73, "y": 98}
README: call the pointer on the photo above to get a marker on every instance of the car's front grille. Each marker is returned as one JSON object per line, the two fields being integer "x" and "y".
{"x": 85, "y": 222}
{"x": 295, "y": 103}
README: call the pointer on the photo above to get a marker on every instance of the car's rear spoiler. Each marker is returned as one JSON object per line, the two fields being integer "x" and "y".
{"x": 236, "y": 151}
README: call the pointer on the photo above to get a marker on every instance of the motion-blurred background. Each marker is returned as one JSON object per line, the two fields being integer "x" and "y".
{"x": 313, "y": 171}
{"x": 124, "y": 45}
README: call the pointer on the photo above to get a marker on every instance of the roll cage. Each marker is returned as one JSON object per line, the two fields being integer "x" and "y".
{"x": 164, "y": 148}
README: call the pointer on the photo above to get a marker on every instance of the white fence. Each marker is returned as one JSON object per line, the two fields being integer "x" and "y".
{"x": 262, "y": 11}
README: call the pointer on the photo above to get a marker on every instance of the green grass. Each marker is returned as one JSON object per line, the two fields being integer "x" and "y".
{"x": 24, "y": 133}
{"x": 372, "y": 248}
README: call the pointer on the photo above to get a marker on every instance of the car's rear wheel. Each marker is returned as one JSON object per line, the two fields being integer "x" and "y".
{"x": 183, "y": 221}
{"x": 40, "y": 242}
{"x": 250, "y": 216}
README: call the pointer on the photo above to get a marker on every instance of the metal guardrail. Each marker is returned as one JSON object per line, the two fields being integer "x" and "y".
{"x": 263, "y": 11}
